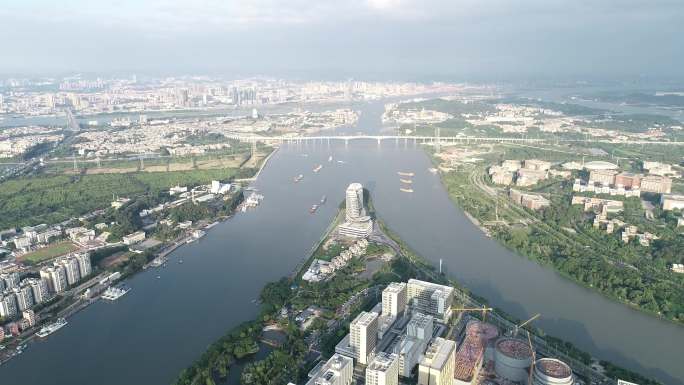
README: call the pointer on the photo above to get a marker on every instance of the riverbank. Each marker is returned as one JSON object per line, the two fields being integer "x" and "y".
{"x": 278, "y": 296}
{"x": 536, "y": 237}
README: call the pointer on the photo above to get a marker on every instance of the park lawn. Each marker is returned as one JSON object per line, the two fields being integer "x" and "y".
{"x": 45, "y": 253}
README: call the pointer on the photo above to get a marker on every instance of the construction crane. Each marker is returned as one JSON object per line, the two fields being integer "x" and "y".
{"x": 518, "y": 327}
{"x": 534, "y": 357}
{"x": 483, "y": 309}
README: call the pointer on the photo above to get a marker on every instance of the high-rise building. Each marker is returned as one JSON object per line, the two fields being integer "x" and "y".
{"x": 8, "y": 305}
{"x": 437, "y": 366}
{"x": 56, "y": 279}
{"x": 338, "y": 370}
{"x": 363, "y": 332}
{"x": 354, "y": 202}
{"x": 39, "y": 289}
{"x": 84, "y": 265}
{"x": 383, "y": 370}
{"x": 357, "y": 223}
{"x": 10, "y": 280}
{"x": 420, "y": 327}
{"x": 409, "y": 350}
{"x": 430, "y": 298}
{"x": 71, "y": 268}
{"x": 394, "y": 299}
{"x": 24, "y": 296}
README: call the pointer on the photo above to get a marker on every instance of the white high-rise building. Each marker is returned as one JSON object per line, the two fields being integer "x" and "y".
{"x": 56, "y": 279}
{"x": 39, "y": 288}
{"x": 383, "y": 370}
{"x": 363, "y": 337}
{"x": 10, "y": 280}
{"x": 71, "y": 268}
{"x": 8, "y": 305}
{"x": 357, "y": 223}
{"x": 409, "y": 350}
{"x": 394, "y": 299}
{"x": 339, "y": 370}
{"x": 24, "y": 296}
{"x": 420, "y": 327}
{"x": 431, "y": 298}
{"x": 354, "y": 202}
{"x": 84, "y": 265}
{"x": 437, "y": 366}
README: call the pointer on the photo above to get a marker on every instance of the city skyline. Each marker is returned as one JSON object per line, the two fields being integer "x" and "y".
{"x": 388, "y": 39}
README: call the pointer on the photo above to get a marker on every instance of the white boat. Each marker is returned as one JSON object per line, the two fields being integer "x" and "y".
{"x": 114, "y": 293}
{"x": 318, "y": 168}
{"x": 51, "y": 328}
{"x": 298, "y": 178}
{"x": 330, "y": 159}
{"x": 407, "y": 190}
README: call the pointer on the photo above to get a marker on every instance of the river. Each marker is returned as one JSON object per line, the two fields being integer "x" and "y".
{"x": 172, "y": 314}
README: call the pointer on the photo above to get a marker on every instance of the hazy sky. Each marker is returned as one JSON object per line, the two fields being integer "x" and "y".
{"x": 459, "y": 39}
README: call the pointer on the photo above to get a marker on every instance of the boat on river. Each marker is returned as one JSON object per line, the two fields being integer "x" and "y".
{"x": 298, "y": 178}
{"x": 51, "y": 328}
{"x": 318, "y": 168}
{"x": 313, "y": 209}
{"x": 323, "y": 199}
{"x": 405, "y": 173}
{"x": 406, "y": 190}
{"x": 330, "y": 158}
{"x": 114, "y": 293}
{"x": 406, "y": 180}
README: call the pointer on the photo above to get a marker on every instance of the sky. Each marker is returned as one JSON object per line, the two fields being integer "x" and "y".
{"x": 402, "y": 39}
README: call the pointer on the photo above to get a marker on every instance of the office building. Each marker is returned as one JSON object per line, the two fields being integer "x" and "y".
{"x": 656, "y": 184}
{"x": 8, "y": 305}
{"x": 394, "y": 299}
{"x": 383, "y": 370}
{"x": 338, "y": 370}
{"x": 437, "y": 366}
{"x": 363, "y": 332}
{"x": 605, "y": 177}
{"x": 134, "y": 238}
{"x": 430, "y": 298}
{"x": 56, "y": 279}
{"x": 420, "y": 327}
{"x": 409, "y": 351}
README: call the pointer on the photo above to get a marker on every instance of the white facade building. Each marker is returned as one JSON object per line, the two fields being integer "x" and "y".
{"x": 383, "y": 370}
{"x": 363, "y": 332}
{"x": 338, "y": 370}
{"x": 394, "y": 299}
{"x": 55, "y": 276}
{"x": 431, "y": 298}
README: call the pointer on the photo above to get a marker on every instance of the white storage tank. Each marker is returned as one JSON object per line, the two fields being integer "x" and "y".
{"x": 550, "y": 371}
{"x": 512, "y": 359}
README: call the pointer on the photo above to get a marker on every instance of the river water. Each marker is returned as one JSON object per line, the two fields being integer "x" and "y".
{"x": 172, "y": 314}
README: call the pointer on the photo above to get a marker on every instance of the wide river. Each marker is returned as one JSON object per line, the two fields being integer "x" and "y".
{"x": 172, "y": 314}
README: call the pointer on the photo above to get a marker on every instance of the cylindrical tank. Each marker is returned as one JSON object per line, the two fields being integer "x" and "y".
{"x": 550, "y": 371}
{"x": 512, "y": 359}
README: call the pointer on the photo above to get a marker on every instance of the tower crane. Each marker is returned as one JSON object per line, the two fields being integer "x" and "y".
{"x": 483, "y": 309}
{"x": 518, "y": 327}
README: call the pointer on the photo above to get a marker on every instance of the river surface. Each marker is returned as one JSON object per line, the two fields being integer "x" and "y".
{"x": 172, "y": 314}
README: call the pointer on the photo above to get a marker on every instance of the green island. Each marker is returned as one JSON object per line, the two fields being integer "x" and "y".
{"x": 311, "y": 318}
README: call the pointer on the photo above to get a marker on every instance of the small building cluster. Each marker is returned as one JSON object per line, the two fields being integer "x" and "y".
{"x": 530, "y": 201}
{"x": 320, "y": 270}
{"x": 524, "y": 173}
{"x": 598, "y": 205}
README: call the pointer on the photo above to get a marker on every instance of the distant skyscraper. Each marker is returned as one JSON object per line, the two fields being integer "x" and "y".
{"x": 39, "y": 287}
{"x": 55, "y": 276}
{"x": 84, "y": 265}
{"x": 437, "y": 366}
{"x": 24, "y": 296}
{"x": 8, "y": 305}
{"x": 431, "y": 298}
{"x": 71, "y": 268}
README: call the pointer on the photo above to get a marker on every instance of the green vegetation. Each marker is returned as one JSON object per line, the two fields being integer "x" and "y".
{"x": 630, "y": 273}
{"x": 52, "y": 199}
{"x": 48, "y": 252}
